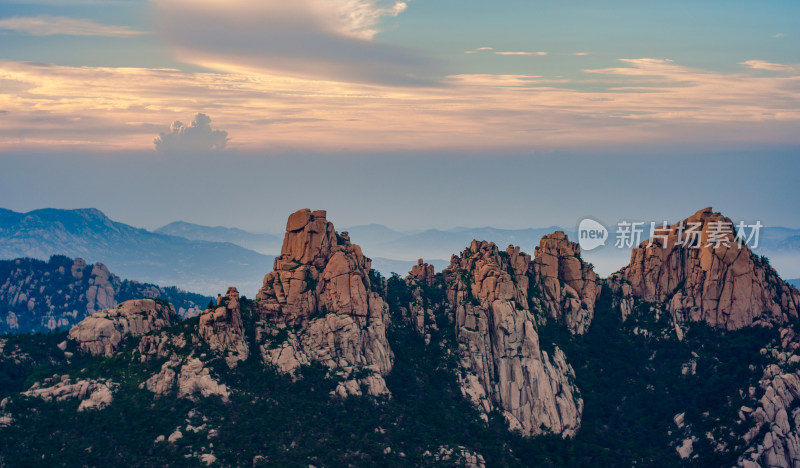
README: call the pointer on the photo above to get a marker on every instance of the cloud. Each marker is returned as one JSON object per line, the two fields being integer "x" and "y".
{"x": 479, "y": 49}
{"x": 331, "y": 40}
{"x": 769, "y": 66}
{"x": 520, "y": 53}
{"x": 44, "y": 25}
{"x": 580, "y": 53}
{"x": 636, "y": 101}
{"x": 62, "y": 3}
{"x": 491, "y": 49}
{"x": 198, "y": 136}
{"x": 779, "y": 35}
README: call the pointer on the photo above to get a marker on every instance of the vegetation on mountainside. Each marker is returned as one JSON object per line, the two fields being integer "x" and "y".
{"x": 51, "y": 290}
{"x": 630, "y": 377}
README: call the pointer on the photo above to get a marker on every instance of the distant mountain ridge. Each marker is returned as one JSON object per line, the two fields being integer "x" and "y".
{"x": 40, "y": 296}
{"x": 194, "y": 265}
{"x": 385, "y": 242}
{"x": 261, "y": 243}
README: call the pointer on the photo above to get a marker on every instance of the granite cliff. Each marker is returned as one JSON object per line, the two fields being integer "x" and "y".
{"x": 689, "y": 355}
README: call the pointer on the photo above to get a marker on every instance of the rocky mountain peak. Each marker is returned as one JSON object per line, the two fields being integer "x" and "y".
{"x": 321, "y": 283}
{"x": 568, "y": 287}
{"x": 223, "y": 330}
{"x": 422, "y": 273}
{"x": 318, "y": 270}
{"x": 498, "y": 345}
{"x": 704, "y": 272}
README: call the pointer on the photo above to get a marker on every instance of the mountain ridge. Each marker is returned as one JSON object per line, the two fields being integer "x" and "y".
{"x": 38, "y": 296}
{"x": 196, "y": 265}
{"x": 502, "y": 358}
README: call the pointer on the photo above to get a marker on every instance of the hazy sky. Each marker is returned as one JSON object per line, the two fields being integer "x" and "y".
{"x": 417, "y": 114}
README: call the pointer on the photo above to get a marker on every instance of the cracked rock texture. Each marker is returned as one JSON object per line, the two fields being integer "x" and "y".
{"x": 223, "y": 330}
{"x": 725, "y": 286}
{"x": 568, "y": 287}
{"x": 103, "y": 332}
{"x": 321, "y": 288}
{"x": 419, "y": 311}
{"x": 504, "y": 366}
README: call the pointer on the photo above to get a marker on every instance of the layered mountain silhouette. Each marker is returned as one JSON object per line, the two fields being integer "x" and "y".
{"x": 194, "y": 265}
{"x": 262, "y": 243}
{"x": 38, "y": 296}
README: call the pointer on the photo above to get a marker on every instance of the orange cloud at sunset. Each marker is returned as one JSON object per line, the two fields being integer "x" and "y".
{"x": 641, "y": 101}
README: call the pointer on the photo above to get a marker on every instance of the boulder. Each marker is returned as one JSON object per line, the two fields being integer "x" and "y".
{"x": 103, "y": 332}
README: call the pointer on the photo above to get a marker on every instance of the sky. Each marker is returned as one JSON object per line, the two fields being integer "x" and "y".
{"x": 426, "y": 113}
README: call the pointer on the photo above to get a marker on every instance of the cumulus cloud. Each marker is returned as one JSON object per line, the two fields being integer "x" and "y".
{"x": 44, "y": 25}
{"x": 331, "y": 40}
{"x": 197, "y": 136}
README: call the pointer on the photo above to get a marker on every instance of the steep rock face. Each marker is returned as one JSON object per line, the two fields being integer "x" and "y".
{"x": 223, "y": 330}
{"x": 418, "y": 311}
{"x": 568, "y": 286}
{"x": 100, "y": 294}
{"x": 498, "y": 344}
{"x": 720, "y": 283}
{"x": 321, "y": 288}
{"x": 103, "y": 332}
{"x": 421, "y": 273}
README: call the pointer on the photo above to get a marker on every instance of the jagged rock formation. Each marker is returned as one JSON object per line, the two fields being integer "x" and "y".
{"x": 321, "y": 284}
{"x": 94, "y": 394}
{"x": 102, "y": 333}
{"x": 779, "y": 409}
{"x": 100, "y": 294}
{"x": 494, "y": 325}
{"x": 189, "y": 376}
{"x": 499, "y": 347}
{"x": 44, "y": 296}
{"x": 568, "y": 287}
{"x": 223, "y": 330}
{"x": 422, "y": 273}
{"x": 419, "y": 311}
{"x": 700, "y": 279}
